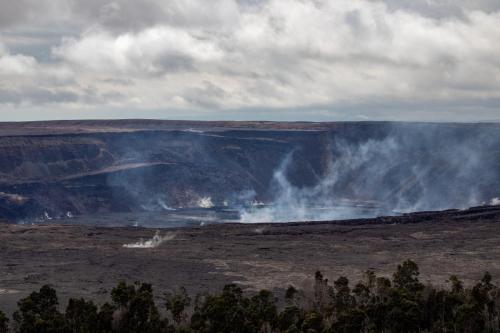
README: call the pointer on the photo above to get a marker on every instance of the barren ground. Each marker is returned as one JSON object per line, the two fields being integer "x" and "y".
{"x": 88, "y": 261}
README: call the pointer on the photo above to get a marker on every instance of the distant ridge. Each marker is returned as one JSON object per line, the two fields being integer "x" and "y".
{"x": 126, "y": 125}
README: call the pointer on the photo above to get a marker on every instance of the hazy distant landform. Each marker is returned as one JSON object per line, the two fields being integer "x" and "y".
{"x": 174, "y": 173}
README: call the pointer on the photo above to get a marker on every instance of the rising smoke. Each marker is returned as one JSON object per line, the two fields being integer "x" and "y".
{"x": 407, "y": 170}
{"x": 353, "y": 170}
{"x": 154, "y": 242}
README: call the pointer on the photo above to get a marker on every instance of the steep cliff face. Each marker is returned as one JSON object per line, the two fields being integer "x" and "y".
{"x": 54, "y": 175}
{"x": 50, "y": 170}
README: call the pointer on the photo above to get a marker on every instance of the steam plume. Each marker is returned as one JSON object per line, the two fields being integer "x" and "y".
{"x": 154, "y": 242}
{"x": 400, "y": 172}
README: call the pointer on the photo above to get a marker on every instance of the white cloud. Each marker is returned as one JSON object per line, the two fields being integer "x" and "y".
{"x": 323, "y": 57}
{"x": 25, "y": 81}
{"x": 152, "y": 50}
{"x": 16, "y": 64}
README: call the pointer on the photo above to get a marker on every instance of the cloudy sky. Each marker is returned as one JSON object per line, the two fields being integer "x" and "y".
{"x": 431, "y": 60}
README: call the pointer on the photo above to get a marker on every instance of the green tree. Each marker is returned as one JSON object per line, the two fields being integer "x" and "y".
{"x": 4, "y": 323}
{"x": 370, "y": 279}
{"x": 122, "y": 294}
{"x": 373, "y": 305}
{"x": 404, "y": 312}
{"x": 383, "y": 288}
{"x": 323, "y": 295}
{"x": 343, "y": 298}
{"x": 177, "y": 304}
{"x": 289, "y": 319}
{"x": 105, "y": 318}
{"x": 290, "y": 295}
{"x": 350, "y": 321}
{"x": 362, "y": 294}
{"x": 137, "y": 308}
{"x": 38, "y": 313}
{"x": 224, "y": 313}
{"x": 81, "y": 316}
{"x": 313, "y": 322}
{"x": 263, "y": 310}
{"x": 456, "y": 285}
{"x": 469, "y": 319}
{"x": 406, "y": 277}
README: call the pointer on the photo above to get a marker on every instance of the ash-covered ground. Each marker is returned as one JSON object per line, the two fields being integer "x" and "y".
{"x": 88, "y": 260}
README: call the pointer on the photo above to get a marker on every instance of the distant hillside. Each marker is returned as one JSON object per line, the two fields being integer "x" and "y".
{"x": 60, "y": 168}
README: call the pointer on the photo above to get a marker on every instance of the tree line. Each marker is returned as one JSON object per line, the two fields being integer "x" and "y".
{"x": 375, "y": 304}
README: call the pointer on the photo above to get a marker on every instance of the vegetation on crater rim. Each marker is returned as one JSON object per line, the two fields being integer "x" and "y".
{"x": 376, "y": 304}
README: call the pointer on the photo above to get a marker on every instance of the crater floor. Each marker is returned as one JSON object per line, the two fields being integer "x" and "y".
{"x": 83, "y": 260}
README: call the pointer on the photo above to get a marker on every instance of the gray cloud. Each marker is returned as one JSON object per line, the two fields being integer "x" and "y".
{"x": 207, "y": 96}
{"x": 442, "y": 9}
{"x": 37, "y": 96}
{"x": 16, "y": 12}
{"x": 327, "y": 59}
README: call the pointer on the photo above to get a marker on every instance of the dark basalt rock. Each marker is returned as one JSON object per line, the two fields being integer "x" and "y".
{"x": 83, "y": 167}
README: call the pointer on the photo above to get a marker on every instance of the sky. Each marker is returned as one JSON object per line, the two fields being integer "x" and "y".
{"x": 315, "y": 60}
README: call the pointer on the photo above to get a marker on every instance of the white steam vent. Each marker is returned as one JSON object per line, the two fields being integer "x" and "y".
{"x": 156, "y": 241}
{"x": 205, "y": 202}
{"x": 495, "y": 201}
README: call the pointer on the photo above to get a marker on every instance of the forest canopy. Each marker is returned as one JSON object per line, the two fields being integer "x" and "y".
{"x": 375, "y": 304}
